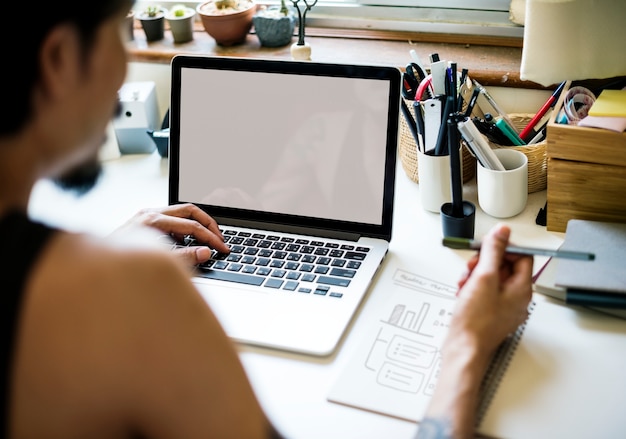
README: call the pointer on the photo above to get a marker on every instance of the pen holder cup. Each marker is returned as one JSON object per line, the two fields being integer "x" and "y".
{"x": 408, "y": 154}
{"x": 503, "y": 194}
{"x": 434, "y": 185}
{"x": 458, "y": 226}
{"x": 536, "y": 154}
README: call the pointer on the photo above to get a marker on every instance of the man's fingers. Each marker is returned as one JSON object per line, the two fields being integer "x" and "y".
{"x": 493, "y": 248}
{"x": 194, "y": 255}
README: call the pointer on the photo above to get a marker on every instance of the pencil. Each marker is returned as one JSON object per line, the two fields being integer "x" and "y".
{"x": 472, "y": 244}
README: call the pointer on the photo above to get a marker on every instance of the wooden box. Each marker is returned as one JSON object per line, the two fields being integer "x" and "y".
{"x": 586, "y": 173}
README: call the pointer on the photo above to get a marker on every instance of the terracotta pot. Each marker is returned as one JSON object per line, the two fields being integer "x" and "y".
{"x": 227, "y": 27}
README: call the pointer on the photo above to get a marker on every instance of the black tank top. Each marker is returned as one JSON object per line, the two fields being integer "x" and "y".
{"x": 21, "y": 242}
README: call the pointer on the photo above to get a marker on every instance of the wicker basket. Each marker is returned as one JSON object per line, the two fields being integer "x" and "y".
{"x": 537, "y": 156}
{"x": 408, "y": 154}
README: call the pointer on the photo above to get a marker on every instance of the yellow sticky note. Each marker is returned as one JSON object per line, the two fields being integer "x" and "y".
{"x": 610, "y": 103}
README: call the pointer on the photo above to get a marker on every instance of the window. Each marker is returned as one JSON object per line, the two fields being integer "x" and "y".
{"x": 471, "y": 17}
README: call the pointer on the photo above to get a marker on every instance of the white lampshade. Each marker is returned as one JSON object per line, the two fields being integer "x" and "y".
{"x": 573, "y": 40}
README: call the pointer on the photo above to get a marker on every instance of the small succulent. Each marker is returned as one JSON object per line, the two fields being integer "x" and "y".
{"x": 152, "y": 10}
{"x": 179, "y": 10}
{"x": 224, "y": 4}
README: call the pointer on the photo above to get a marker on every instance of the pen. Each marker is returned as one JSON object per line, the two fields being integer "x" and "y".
{"x": 453, "y": 86}
{"x": 538, "y": 137}
{"x": 419, "y": 120}
{"x": 416, "y": 59}
{"x": 551, "y": 102}
{"x": 472, "y": 244}
{"x": 462, "y": 80}
{"x": 442, "y": 137}
{"x": 456, "y": 183}
{"x": 472, "y": 102}
{"x": 410, "y": 122}
{"x": 464, "y": 73}
{"x": 540, "y": 129}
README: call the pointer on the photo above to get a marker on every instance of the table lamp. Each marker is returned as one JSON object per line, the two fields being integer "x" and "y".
{"x": 573, "y": 40}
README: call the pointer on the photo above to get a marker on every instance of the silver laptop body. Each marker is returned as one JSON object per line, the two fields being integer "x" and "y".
{"x": 296, "y": 161}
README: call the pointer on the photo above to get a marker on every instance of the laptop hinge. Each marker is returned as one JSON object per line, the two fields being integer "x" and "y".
{"x": 299, "y": 230}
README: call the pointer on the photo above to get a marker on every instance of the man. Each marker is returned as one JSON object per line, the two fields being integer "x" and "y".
{"x": 110, "y": 339}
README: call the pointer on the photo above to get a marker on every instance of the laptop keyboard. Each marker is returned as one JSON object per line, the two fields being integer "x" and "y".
{"x": 282, "y": 262}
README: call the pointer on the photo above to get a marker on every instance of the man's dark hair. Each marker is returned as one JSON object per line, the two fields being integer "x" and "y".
{"x": 21, "y": 65}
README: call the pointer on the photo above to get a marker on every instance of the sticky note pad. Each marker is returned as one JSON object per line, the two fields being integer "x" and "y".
{"x": 610, "y": 103}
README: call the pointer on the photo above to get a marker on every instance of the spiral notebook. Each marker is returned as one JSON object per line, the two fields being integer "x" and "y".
{"x": 556, "y": 377}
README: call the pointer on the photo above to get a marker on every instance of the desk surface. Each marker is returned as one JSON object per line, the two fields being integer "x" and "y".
{"x": 293, "y": 388}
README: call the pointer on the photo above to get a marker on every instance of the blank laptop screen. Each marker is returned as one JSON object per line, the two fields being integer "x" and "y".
{"x": 288, "y": 143}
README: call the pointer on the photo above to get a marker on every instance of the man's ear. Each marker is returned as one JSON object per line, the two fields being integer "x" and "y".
{"x": 60, "y": 61}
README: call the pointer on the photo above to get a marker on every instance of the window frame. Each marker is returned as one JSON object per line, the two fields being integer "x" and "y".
{"x": 489, "y": 18}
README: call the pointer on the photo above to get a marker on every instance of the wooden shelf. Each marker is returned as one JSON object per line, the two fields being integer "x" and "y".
{"x": 489, "y": 64}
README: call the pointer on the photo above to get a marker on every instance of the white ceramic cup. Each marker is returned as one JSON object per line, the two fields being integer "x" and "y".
{"x": 503, "y": 194}
{"x": 433, "y": 173}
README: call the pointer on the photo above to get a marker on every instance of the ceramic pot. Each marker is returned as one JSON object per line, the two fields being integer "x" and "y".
{"x": 228, "y": 27}
{"x": 181, "y": 26}
{"x": 273, "y": 28}
{"x": 153, "y": 26}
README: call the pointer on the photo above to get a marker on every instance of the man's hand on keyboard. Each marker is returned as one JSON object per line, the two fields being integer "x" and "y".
{"x": 180, "y": 221}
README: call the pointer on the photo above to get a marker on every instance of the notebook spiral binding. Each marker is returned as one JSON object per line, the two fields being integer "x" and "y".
{"x": 498, "y": 366}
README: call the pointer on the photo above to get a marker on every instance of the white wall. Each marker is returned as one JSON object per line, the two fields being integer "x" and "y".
{"x": 159, "y": 73}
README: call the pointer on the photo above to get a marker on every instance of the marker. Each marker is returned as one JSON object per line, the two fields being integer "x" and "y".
{"x": 509, "y": 132}
{"x": 550, "y": 103}
{"x": 438, "y": 72}
{"x": 472, "y": 244}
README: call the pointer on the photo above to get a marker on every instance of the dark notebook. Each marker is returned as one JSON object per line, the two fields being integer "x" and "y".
{"x": 606, "y": 272}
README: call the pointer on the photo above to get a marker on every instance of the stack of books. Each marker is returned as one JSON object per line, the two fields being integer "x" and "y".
{"x": 599, "y": 283}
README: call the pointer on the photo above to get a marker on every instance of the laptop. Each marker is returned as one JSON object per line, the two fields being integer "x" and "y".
{"x": 296, "y": 161}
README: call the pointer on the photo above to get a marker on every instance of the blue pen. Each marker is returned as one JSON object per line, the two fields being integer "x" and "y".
{"x": 419, "y": 121}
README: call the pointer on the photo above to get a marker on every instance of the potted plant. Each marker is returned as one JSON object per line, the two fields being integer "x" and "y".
{"x": 180, "y": 19}
{"x": 227, "y": 21}
{"x": 274, "y": 25}
{"x": 152, "y": 20}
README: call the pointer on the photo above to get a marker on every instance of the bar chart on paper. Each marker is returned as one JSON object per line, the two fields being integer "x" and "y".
{"x": 394, "y": 371}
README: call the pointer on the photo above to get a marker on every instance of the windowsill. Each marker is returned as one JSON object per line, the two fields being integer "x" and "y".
{"x": 488, "y": 63}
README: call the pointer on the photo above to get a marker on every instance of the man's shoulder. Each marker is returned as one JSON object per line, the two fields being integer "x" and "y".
{"x": 84, "y": 262}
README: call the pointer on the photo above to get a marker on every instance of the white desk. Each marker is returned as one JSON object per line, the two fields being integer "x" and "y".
{"x": 293, "y": 388}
